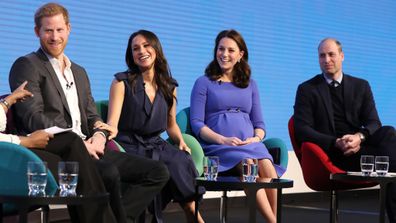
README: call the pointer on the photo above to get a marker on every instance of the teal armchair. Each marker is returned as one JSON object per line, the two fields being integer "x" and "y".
{"x": 13, "y": 166}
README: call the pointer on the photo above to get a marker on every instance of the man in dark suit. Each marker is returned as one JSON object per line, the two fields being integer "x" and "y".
{"x": 62, "y": 97}
{"x": 337, "y": 112}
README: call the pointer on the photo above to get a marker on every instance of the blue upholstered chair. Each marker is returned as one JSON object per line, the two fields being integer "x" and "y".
{"x": 13, "y": 166}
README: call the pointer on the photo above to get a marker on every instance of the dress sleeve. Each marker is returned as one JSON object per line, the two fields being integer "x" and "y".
{"x": 3, "y": 119}
{"x": 255, "y": 114}
{"x": 197, "y": 105}
{"x": 3, "y": 123}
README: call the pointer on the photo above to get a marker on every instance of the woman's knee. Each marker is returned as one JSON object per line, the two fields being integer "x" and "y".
{"x": 266, "y": 168}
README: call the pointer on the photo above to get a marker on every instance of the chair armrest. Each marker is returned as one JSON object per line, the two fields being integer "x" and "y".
{"x": 13, "y": 165}
{"x": 273, "y": 143}
{"x": 113, "y": 145}
{"x": 197, "y": 153}
{"x": 313, "y": 151}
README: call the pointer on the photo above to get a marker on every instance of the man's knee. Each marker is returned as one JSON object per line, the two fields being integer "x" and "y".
{"x": 159, "y": 173}
{"x": 109, "y": 174}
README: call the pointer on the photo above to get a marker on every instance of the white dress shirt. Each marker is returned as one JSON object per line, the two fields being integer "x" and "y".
{"x": 66, "y": 80}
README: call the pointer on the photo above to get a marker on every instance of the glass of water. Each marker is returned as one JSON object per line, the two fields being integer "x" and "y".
{"x": 211, "y": 166}
{"x": 37, "y": 178}
{"x": 381, "y": 165}
{"x": 68, "y": 178}
{"x": 367, "y": 164}
{"x": 249, "y": 169}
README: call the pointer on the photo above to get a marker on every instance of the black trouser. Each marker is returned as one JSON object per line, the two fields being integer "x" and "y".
{"x": 381, "y": 143}
{"x": 70, "y": 147}
{"x": 140, "y": 178}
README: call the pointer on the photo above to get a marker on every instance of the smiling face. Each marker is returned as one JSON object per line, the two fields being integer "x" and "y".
{"x": 53, "y": 33}
{"x": 330, "y": 58}
{"x": 228, "y": 54}
{"x": 144, "y": 54}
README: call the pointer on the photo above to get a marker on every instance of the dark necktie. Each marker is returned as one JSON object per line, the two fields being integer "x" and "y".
{"x": 334, "y": 84}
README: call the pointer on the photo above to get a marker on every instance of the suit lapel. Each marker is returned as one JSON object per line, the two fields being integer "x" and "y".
{"x": 40, "y": 54}
{"x": 325, "y": 94}
{"x": 80, "y": 86}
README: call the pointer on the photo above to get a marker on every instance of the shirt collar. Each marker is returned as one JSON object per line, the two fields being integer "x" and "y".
{"x": 56, "y": 62}
{"x": 329, "y": 80}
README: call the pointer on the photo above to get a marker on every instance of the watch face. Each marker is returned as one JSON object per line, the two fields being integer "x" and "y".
{"x": 361, "y": 137}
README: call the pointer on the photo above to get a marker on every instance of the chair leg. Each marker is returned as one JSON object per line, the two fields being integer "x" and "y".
{"x": 141, "y": 218}
{"x": 45, "y": 214}
{"x": 223, "y": 208}
{"x": 333, "y": 207}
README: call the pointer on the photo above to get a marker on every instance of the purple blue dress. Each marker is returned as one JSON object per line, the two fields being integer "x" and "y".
{"x": 232, "y": 112}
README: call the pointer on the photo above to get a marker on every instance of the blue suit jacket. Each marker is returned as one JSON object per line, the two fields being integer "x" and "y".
{"x": 313, "y": 111}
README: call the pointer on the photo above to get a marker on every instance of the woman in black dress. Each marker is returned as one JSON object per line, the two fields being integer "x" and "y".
{"x": 142, "y": 105}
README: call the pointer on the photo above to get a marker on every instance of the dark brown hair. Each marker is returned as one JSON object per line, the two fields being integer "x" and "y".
{"x": 241, "y": 71}
{"x": 162, "y": 77}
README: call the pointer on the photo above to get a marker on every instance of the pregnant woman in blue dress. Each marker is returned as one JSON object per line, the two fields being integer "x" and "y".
{"x": 226, "y": 116}
{"x": 142, "y": 105}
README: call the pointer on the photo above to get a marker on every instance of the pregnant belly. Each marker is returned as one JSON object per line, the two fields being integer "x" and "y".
{"x": 235, "y": 124}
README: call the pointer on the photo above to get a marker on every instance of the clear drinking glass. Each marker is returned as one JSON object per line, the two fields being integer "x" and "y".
{"x": 249, "y": 169}
{"x": 68, "y": 178}
{"x": 37, "y": 178}
{"x": 381, "y": 165}
{"x": 211, "y": 165}
{"x": 367, "y": 164}
{"x": 214, "y": 167}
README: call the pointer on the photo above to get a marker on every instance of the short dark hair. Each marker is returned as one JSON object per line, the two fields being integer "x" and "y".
{"x": 338, "y": 43}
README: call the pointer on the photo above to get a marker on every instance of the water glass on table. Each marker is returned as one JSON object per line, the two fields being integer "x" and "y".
{"x": 367, "y": 164}
{"x": 211, "y": 166}
{"x": 381, "y": 165}
{"x": 37, "y": 177}
{"x": 68, "y": 178}
{"x": 249, "y": 169}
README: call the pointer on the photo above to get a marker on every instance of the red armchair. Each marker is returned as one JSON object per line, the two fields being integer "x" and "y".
{"x": 317, "y": 167}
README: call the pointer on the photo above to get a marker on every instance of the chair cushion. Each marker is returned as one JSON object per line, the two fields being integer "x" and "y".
{"x": 113, "y": 145}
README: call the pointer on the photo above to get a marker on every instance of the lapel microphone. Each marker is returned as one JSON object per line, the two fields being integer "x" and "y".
{"x": 68, "y": 86}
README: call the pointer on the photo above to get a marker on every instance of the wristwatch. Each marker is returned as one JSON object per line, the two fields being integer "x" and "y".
{"x": 4, "y": 102}
{"x": 362, "y": 137}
